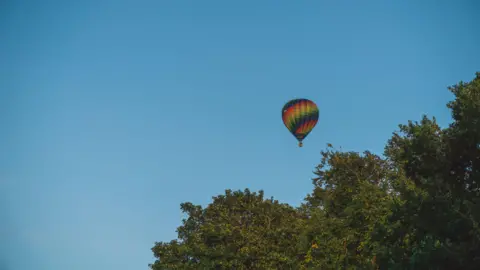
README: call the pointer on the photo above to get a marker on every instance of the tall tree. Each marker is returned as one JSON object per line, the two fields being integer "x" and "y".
{"x": 437, "y": 211}
{"x": 238, "y": 230}
{"x": 350, "y": 198}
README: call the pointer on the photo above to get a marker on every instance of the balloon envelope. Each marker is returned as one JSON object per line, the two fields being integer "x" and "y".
{"x": 300, "y": 116}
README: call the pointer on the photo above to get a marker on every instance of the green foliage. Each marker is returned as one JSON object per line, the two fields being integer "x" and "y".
{"x": 350, "y": 200}
{"x": 418, "y": 207}
{"x": 238, "y": 230}
{"x": 437, "y": 209}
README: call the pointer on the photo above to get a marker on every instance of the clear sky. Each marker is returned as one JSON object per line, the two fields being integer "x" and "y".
{"x": 115, "y": 112}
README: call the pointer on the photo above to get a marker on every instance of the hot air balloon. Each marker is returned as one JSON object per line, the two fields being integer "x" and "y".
{"x": 300, "y": 116}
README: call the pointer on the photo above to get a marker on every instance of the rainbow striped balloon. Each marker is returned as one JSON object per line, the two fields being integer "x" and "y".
{"x": 300, "y": 116}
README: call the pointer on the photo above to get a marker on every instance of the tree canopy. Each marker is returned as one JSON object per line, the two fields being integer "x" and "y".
{"x": 415, "y": 207}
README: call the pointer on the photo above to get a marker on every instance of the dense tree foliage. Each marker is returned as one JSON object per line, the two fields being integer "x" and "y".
{"x": 418, "y": 207}
{"x": 239, "y": 230}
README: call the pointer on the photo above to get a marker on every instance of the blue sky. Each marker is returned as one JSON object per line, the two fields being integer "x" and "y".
{"x": 115, "y": 112}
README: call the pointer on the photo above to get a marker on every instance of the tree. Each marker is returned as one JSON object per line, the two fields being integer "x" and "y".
{"x": 238, "y": 230}
{"x": 349, "y": 199}
{"x": 437, "y": 210}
